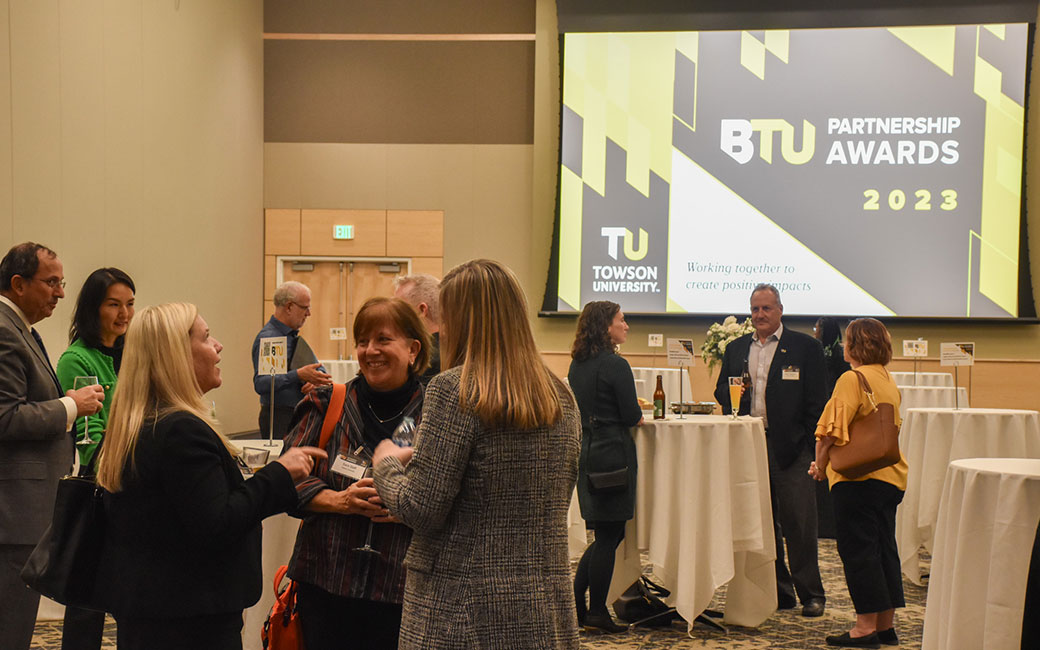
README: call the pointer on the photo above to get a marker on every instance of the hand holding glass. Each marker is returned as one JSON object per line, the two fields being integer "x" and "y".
{"x": 83, "y": 382}
{"x": 736, "y": 389}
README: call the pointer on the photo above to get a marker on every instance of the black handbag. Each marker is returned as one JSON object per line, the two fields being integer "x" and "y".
{"x": 64, "y": 565}
{"x": 608, "y": 450}
{"x": 641, "y": 604}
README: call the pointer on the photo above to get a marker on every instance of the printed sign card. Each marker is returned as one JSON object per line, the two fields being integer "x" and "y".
{"x": 918, "y": 348}
{"x": 272, "y": 358}
{"x": 957, "y": 354}
{"x": 680, "y": 352}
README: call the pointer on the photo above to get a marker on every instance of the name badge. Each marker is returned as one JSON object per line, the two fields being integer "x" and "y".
{"x": 350, "y": 466}
{"x": 791, "y": 373}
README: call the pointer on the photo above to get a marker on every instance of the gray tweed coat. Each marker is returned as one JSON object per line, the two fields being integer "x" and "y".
{"x": 488, "y": 566}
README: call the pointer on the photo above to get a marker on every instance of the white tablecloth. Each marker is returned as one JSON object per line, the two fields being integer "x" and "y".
{"x": 703, "y": 515}
{"x": 670, "y": 378}
{"x": 912, "y": 397}
{"x": 930, "y": 439}
{"x": 341, "y": 371}
{"x": 942, "y": 379}
{"x": 983, "y": 542}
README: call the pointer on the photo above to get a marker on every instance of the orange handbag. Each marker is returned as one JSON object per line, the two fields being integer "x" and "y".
{"x": 282, "y": 629}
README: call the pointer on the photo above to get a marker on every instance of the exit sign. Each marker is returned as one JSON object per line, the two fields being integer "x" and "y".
{"x": 342, "y": 232}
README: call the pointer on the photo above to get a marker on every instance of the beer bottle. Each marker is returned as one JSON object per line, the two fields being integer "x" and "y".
{"x": 659, "y": 400}
{"x": 745, "y": 378}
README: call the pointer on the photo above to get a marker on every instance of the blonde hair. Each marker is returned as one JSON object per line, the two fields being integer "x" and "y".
{"x": 504, "y": 380}
{"x": 157, "y": 378}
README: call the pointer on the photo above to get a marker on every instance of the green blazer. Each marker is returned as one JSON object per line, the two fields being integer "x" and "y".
{"x": 80, "y": 360}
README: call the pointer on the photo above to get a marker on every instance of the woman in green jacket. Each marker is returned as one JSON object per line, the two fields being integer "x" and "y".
{"x": 103, "y": 311}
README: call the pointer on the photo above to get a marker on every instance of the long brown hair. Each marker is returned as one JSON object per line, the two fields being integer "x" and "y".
{"x": 484, "y": 329}
{"x": 593, "y": 333}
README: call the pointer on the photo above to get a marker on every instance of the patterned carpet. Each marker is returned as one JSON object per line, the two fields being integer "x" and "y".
{"x": 785, "y": 630}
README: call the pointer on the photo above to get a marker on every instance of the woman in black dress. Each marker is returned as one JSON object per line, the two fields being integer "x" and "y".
{"x": 605, "y": 389}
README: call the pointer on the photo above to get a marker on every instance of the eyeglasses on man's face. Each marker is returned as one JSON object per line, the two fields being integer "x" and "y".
{"x": 53, "y": 283}
{"x": 303, "y": 307}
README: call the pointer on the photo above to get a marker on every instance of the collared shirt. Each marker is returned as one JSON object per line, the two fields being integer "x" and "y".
{"x": 287, "y": 386}
{"x": 760, "y": 358}
{"x": 70, "y": 404}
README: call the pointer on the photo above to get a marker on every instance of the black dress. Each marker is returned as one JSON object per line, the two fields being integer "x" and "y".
{"x": 605, "y": 388}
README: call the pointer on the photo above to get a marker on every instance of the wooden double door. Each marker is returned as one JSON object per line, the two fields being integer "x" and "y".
{"x": 338, "y": 290}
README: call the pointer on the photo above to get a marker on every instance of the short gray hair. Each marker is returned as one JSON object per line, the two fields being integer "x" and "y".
{"x": 288, "y": 292}
{"x": 418, "y": 288}
{"x": 765, "y": 286}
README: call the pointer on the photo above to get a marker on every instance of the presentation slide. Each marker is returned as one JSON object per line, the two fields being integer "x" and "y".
{"x": 863, "y": 172}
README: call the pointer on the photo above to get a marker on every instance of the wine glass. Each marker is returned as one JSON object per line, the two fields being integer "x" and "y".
{"x": 83, "y": 382}
{"x": 402, "y": 437}
{"x": 736, "y": 389}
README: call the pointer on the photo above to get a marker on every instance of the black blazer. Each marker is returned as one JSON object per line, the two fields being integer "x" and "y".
{"x": 183, "y": 536}
{"x": 793, "y": 406}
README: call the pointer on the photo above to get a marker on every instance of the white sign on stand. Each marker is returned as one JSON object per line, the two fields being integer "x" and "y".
{"x": 680, "y": 352}
{"x": 957, "y": 354}
{"x": 915, "y": 349}
{"x": 272, "y": 359}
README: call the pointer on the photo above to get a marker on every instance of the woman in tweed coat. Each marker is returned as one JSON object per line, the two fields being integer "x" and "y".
{"x": 487, "y": 491}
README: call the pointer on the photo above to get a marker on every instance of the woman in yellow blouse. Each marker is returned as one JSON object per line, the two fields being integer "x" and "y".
{"x": 864, "y": 508}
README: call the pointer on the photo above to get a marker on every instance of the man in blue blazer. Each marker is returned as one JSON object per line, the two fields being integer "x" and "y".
{"x": 36, "y": 448}
{"x": 788, "y": 391}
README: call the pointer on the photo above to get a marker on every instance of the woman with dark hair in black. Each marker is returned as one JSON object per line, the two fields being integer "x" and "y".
{"x": 103, "y": 311}
{"x": 605, "y": 389}
{"x": 828, "y": 332}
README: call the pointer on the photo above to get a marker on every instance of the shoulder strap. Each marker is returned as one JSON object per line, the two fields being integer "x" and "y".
{"x": 332, "y": 413}
{"x": 865, "y": 386}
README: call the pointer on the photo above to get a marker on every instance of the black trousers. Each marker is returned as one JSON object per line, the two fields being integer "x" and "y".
{"x": 793, "y": 495}
{"x": 82, "y": 629}
{"x": 282, "y": 416}
{"x": 865, "y": 519}
{"x": 216, "y": 632}
{"x": 332, "y": 622}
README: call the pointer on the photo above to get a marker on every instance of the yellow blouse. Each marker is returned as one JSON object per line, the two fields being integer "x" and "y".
{"x": 849, "y": 403}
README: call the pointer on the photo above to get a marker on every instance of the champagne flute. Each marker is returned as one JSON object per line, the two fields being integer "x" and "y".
{"x": 83, "y": 382}
{"x": 402, "y": 437}
{"x": 736, "y": 389}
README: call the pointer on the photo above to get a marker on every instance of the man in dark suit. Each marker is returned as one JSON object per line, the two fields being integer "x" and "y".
{"x": 788, "y": 391}
{"x": 36, "y": 448}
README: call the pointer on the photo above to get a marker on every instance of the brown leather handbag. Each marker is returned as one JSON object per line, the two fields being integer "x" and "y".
{"x": 873, "y": 440}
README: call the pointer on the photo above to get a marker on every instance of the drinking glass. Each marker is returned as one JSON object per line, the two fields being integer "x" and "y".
{"x": 736, "y": 389}
{"x": 83, "y": 382}
{"x": 402, "y": 437}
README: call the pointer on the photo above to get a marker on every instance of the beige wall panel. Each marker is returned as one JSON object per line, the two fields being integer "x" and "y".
{"x": 501, "y": 221}
{"x": 443, "y": 16}
{"x": 36, "y": 121}
{"x": 421, "y": 177}
{"x": 281, "y": 232}
{"x": 414, "y": 233}
{"x": 268, "y": 312}
{"x": 326, "y": 175}
{"x": 6, "y": 185}
{"x": 270, "y": 276}
{"x": 369, "y": 233}
{"x": 82, "y": 143}
{"x": 432, "y": 265}
{"x": 430, "y": 92}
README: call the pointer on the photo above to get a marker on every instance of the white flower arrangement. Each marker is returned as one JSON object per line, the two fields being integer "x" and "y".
{"x": 719, "y": 336}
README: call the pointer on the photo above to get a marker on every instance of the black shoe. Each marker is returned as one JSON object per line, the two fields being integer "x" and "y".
{"x": 888, "y": 637}
{"x": 783, "y": 601}
{"x": 846, "y": 641}
{"x": 813, "y": 607}
{"x": 603, "y": 623}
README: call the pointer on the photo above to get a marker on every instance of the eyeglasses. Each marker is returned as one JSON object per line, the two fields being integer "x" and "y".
{"x": 303, "y": 307}
{"x": 53, "y": 283}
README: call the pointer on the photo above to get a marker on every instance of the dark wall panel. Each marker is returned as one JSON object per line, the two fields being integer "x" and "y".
{"x": 399, "y": 16}
{"x": 395, "y": 92}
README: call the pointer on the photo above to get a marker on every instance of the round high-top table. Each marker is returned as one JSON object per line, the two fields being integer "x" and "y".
{"x": 702, "y": 514}
{"x": 341, "y": 371}
{"x": 983, "y": 545}
{"x": 931, "y": 396}
{"x": 932, "y": 437}
{"x": 941, "y": 379}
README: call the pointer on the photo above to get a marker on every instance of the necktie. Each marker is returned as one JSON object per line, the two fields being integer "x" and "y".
{"x": 50, "y": 368}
